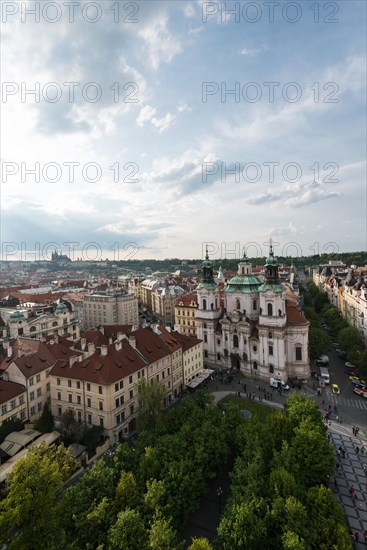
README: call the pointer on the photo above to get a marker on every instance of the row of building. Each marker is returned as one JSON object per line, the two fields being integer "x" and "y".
{"x": 97, "y": 375}
{"x": 347, "y": 290}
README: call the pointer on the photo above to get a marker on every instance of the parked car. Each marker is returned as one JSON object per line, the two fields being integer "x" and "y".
{"x": 322, "y": 360}
{"x": 276, "y": 383}
{"x": 341, "y": 353}
{"x": 359, "y": 383}
{"x": 360, "y": 391}
{"x": 335, "y": 344}
{"x": 349, "y": 365}
{"x": 335, "y": 388}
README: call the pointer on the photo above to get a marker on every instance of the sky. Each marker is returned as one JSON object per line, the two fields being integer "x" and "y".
{"x": 149, "y": 129}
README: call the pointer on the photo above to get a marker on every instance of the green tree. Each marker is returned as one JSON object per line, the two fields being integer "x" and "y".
{"x": 242, "y": 527}
{"x": 151, "y": 395}
{"x": 127, "y": 493}
{"x": 70, "y": 423}
{"x": 128, "y": 533}
{"x": 161, "y": 535}
{"x": 299, "y": 407}
{"x": 30, "y": 507}
{"x": 200, "y": 544}
{"x": 350, "y": 339}
{"x": 363, "y": 365}
{"x": 45, "y": 423}
{"x": 319, "y": 342}
{"x": 312, "y": 456}
{"x": 292, "y": 541}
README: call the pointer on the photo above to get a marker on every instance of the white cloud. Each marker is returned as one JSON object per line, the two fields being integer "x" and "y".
{"x": 246, "y": 51}
{"x": 160, "y": 44}
{"x": 145, "y": 115}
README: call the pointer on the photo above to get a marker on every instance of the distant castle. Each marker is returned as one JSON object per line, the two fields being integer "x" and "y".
{"x": 55, "y": 257}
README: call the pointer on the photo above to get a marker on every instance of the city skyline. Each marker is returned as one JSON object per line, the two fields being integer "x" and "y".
{"x": 160, "y": 126}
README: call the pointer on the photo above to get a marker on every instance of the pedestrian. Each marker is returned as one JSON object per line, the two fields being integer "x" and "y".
{"x": 335, "y": 483}
{"x": 357, "y": 450}
{"x": 337, "y": 419}
{"x": 354, "y": 430}
{"x": 356, "y": 536}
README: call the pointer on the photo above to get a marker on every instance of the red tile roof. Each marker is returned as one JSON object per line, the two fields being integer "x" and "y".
{"x": 112, "y": 330}
{"x": 34, "y": 363}
{"x": 150, "y": 345}
{"x": 9, "y": 390}
{"x": 103, "y": 369}
{"x": 187, "y": 342}
{"x": 294, "y": 315}
{"x": 169, "y": 339}
{"x": 186, "y": 300}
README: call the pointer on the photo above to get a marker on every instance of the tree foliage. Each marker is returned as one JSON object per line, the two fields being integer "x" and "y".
{"x": 151, "y": 395}
{"x": 45, "y": 423}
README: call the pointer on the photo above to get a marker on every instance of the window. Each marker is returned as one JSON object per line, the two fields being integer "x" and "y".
{"x": 58, "y": 381}
{"x": 59, "y": 411}
{"x": 101, "y": 422}
{"x": 89, "y": 419}
{"x": 89, "y": 402}
{"x": 130, "y": 379}
{"x": 205, "y": 338}
{"x": 238, "y": 305}
{"x": 121, "y": 384}
{"x": 70, "y": 398}
{"x": 270, "y": 350}
{"x": 39, "y": 407}
{"x": 31, "y": 396}
{"x": 69, "y": 383}
{"x": 270, "y": 335}
{"x": 204, "y": 304}
{"x": 254, "y": 348}
{"x": 48, "y": 386}
{"x": 88, "y": 387}
{"x": 271, "y": 369}
{"x": 205, "y": 353}
{"x": 21, "y": 400}
{"x": 117, "y": 386}
{"x": 31, "y": 381}
{"x": 100, "y": 405}
{"x": 3, "y": 409}
{"x": 118, "y": 419}
{"x": 131, "y": 393}
{"x": 22, "y": 416}
{"x": 122, "y": 416}
{"x": 131, "y": 409}
{"x": 270, "y": 310}
{"x": 12, "y": 404}
{"x": 39, "y": 391}
{"x": 59, "y": 396}
{"x": 100, "y": 390}
{"x": 235, "y": 341}
{"x": 38, "y": 378}
{"x": 254, "y": 304}
{"x": 298, "y": 353}
{"x": 78, "y": 384}
{"x": 78, "y": 400}
{"x": 33, "y": 410}
{"x": 218, "y": 356}
{"x": 117, "y": 402}
{"x": 254, "y": 365}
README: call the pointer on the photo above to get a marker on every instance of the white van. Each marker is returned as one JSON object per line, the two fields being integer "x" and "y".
{"x": 275, "y": 383}
{"x": 322, "y": 360}
{"x": 324, "y": 373}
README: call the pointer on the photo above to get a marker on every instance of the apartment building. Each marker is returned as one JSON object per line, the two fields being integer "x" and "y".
{"x": 192, "y": 356}
{"x": 62, "y": 322}
{"x": 109, "y": 309}
{"x": 32, "y": 372}
{"x": 163, "y": 303}
{"x": 13, "y": 401}
{"x": 185, "y": 308}
{"x": 175, "y": 348}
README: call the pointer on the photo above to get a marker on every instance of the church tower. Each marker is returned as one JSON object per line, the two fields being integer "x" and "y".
{"x": 208, "y": 311}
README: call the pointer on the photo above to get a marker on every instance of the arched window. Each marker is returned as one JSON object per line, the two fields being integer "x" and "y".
{"x": 254, "y": 365}
{"x": 270, "y": 310}
{"x": 254, "y": 304}
{"x": 212, "y": 306}
{"x": 298, "y": 353}
{"x": 271, "y": 369}
{"x": 204, "y": 325}
{"x": 235, "y": 341}
{"x": 218, "y": 356}
{"x": 55, "y": 323}
{"x": 32, "y": 329}
{"x": 254, "y": 348}
{"x": 204, "y": 304}
{"x": 238, "y": 304}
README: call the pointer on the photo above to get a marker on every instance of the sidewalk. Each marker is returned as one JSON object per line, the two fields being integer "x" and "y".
{"x": 350, "y": 472}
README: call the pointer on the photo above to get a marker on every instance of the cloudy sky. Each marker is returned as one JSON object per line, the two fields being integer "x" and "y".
{"x": 155, "y": 127}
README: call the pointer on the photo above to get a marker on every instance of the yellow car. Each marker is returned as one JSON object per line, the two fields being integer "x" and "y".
{"x": 353, "y": 377}
{"x": 335, "y": 388}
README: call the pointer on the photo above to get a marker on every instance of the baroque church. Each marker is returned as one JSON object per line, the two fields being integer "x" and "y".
{"x": 257, "y": 328}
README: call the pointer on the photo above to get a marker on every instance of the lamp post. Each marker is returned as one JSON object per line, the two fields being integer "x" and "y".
{"x": 219, "y": 493}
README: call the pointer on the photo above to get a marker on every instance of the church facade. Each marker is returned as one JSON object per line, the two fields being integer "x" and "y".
{"x": 260, "y": 332}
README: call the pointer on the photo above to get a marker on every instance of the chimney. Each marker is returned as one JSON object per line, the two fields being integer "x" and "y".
{"x": 83, "y": 344}
{"x": 91, "y": 348}
{"x": 118, "y": 345}
{"x": 120, "y": 336}
{"x": 101, "y": 329}
{"x": 168, "y": 328}
{"x": 72, "y": 360}
{"x": 6, "y": 344}
{"x": 110, "y": 341}
{"x": 10, "y": 351}
{"x": 104, "y": 350}
{"x": 132, "y": 341}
